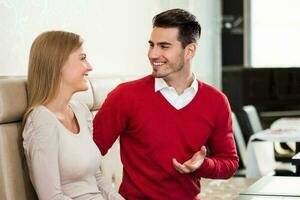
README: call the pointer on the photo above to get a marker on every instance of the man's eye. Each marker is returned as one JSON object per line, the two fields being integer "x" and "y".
{"x": 83, "y": 58}
{"x": 164, "y": 46}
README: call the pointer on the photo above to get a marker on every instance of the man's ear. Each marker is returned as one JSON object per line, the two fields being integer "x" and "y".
{"x": 190, "y": 50}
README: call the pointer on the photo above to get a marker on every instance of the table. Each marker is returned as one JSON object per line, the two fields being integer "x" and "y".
{"x": 260, "y": 152}
{"x": 288, "y": 124}
{"x": 229, "y": 189}
{"x": 275, "y": 187}
{"x": 254, "y": 197}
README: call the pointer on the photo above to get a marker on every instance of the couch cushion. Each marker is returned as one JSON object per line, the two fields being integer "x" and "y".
{"x": 101, "y": 87}
{"x": 111, "y": 165}
{"x": 13, "y": 99}
{"x": 14, "y": 180}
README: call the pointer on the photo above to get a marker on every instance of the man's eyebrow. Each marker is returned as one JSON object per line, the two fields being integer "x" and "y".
{"x": 164, "y": 43}
{"x": 82, "y": 54}
{"x": 160, "y": 43}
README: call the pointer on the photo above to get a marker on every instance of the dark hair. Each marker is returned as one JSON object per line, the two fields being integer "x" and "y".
{"x": 189, "y": 30}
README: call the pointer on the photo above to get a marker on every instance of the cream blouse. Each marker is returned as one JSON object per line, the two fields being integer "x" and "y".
{"x": 63, "y": 165}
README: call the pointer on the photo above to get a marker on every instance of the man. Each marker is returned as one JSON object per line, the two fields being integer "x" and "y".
{"x": 168, "y": 121}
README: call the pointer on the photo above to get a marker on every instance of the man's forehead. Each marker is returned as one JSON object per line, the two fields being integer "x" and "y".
{"x": 165, "y": 29}
{"x": 160, "y": 34}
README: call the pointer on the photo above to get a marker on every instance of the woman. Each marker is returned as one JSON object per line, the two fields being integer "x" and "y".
{"x": 62, "y": 158}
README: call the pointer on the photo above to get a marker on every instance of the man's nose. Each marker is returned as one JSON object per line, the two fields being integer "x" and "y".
{"x": 153, "y": 53}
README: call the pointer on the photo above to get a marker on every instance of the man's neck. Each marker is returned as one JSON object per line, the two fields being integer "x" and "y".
{"x": 180, "y": 82}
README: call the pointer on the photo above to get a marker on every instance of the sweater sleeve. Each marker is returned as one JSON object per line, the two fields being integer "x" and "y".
{"x": 222, "y": 160}
{"x": 41, "y": 150}
{"x": 111, "y": 120}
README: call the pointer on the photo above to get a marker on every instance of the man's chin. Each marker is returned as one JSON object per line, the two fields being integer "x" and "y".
{"x": 158, "y": 75}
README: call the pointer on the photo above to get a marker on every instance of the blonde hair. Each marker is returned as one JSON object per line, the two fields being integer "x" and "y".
{"x": 48, "y": 53}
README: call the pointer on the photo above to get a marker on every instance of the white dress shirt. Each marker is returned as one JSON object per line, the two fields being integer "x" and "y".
{"x": 170, "y": 94}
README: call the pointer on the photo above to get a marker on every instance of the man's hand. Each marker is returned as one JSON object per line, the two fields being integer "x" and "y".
{"x": 192, "y": 164}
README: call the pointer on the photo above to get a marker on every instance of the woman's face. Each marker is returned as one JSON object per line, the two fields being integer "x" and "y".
{"x": 74, "y": 71}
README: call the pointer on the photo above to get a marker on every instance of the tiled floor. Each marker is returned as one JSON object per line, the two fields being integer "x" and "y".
{"x": 224, "y": 189}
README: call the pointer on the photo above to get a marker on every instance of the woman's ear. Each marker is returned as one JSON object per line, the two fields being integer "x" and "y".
{"x": 190, "y": 50}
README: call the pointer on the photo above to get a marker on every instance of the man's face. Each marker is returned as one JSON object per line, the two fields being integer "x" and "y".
{"x": 165, "y": 54}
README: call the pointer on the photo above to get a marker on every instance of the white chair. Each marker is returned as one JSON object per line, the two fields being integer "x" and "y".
{"x": 253, "y": 118}
{"x": 240, "y": 144}
{"x": 255, "y": 123}
{"x": 256, "y": 126}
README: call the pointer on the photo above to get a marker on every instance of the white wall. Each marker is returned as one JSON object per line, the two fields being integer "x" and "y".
{"x": 116, "y": 32}
{"x": 275, "y": 34}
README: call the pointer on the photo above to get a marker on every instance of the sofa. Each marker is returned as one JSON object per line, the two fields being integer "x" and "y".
{"x": 14, "y": 179}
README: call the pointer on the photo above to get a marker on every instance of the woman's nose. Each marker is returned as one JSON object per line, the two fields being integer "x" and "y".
{"x": 89, "y": 67}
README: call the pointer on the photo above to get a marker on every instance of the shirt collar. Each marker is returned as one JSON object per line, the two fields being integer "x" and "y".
{"x": 160, "y": 83}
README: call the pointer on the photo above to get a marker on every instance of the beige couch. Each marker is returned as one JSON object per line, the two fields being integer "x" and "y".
{"x": 14, "y": 180}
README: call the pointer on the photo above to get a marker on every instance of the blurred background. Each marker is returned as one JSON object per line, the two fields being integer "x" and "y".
{"x": 249, "y": 49}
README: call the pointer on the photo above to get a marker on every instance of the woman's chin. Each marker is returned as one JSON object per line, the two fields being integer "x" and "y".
{"x": 83, "y": 87}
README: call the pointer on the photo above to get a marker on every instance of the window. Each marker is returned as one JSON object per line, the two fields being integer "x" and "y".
{"x": 275, "y": 33}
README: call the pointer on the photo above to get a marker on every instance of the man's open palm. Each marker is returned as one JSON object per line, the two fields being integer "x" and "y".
{"x": 192, "y": 164}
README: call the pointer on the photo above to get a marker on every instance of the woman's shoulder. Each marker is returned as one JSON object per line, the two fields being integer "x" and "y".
{"x": 41, "y": 114}
{"x": 40, "y": 123}
{"x": 40, "y": 120}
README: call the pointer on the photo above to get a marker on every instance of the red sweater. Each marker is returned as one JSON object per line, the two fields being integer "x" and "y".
{"x": 152, "y": 132}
